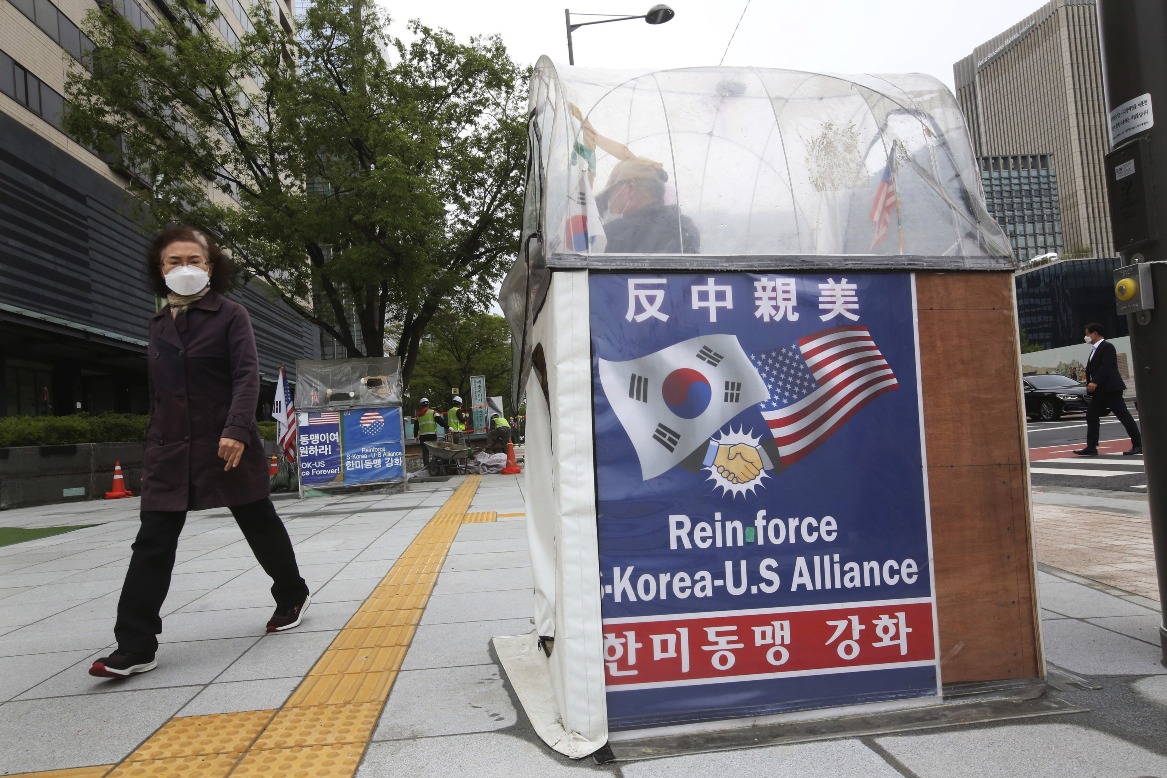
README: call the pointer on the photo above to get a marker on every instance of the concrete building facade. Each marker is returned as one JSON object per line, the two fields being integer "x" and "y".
{"x": 1037, "y": 88}
{"x": 74, "y": 297}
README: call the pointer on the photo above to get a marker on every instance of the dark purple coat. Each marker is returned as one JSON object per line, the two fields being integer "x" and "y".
{"x": 204, "y": 385}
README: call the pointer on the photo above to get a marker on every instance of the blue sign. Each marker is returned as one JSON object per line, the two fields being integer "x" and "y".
{"x": 373, "y": 448}
{"x": 318, "y": 438}
{"x": 763, "y": 525}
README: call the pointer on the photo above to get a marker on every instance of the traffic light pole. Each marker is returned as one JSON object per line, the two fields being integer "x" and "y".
{"x": 1134, "y": 67}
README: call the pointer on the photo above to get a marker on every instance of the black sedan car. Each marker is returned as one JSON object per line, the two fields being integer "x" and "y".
{"x": 1047, "y": 397}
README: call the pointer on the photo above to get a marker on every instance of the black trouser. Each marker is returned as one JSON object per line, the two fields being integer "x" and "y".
{"x": 425, "y": 452}
{"x": 1100, "y": 402}
{"x": 139, "y": 619}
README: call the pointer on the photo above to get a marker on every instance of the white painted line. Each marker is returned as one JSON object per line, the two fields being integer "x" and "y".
{"x": 1118, "y": 461}
{"x": 1139, "y": 486}
{"x": 1079, "y": 471}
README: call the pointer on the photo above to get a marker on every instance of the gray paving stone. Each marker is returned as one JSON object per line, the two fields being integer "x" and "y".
{"x": 345, "y": 590}
{"x": 484, "y": 580}
{"x": 496, "y": 561}
{"x": 468, "y": 607}
{"x": 1082, "y": 602}
{"x": 455, "y": 645}
{"x": 488, "y": 755}
{"x": 372, "y": 570}
{"x": 804, "y": 760}
{"x": 487, "y": 545}
{"x": 211, "y": 625}
{"x": 58, "y": 634}
{"x": 239, "y": 696}
{"x": 448, "y": 701}
{"x": 1153, "y": 689}
{"x": 194, "y": 663}
{"x": 81, "y": 727}
{"x": 279, "y": 655}
{"x": 1086, "y": 649}
{"x": 1143, "y": 627}
{"x": 20, "y": 673}
{"x": 1030, "y": 750}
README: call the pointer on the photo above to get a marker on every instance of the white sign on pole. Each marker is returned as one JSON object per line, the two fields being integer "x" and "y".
{"x": 1130, "y": 118}
{"x": 478, "y": 402}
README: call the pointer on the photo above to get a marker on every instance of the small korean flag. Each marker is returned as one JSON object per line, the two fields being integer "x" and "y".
{"x": 372, "y": 422}
{"x": 670, "y": 402}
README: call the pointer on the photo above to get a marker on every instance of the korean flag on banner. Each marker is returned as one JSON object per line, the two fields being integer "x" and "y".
{"x": 670, "y": 402}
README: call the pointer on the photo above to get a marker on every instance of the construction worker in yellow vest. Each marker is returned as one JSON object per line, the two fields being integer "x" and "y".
{"x": 500, "y": 433}
{"x": 456, "y": 421}
{"x": 427, "y": 428}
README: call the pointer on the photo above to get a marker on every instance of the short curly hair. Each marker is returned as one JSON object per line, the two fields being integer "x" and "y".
{"x": 221, "y": 280}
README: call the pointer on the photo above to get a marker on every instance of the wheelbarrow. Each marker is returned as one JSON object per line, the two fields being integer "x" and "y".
{"x": 446, "y": 458}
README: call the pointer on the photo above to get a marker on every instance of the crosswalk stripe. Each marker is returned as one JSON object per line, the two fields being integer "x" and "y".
{"x": 1082, "y": 471}
{"x": 1093, "y": 462}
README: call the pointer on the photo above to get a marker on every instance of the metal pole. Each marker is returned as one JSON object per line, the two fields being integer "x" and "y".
{"x": 1134, "y": 67}
{"x": 567, "y": 19}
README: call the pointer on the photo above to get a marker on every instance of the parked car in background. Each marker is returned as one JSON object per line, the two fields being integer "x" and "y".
{"x": 1047, "y": 397}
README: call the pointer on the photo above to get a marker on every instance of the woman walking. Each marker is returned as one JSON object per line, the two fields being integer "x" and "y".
{"x": 203, "y": 448}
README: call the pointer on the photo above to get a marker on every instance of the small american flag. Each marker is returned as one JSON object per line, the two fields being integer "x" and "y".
{"x": 819, "y": 383}
{"x": 324, "y": 418}
{"x": 886, "y": 201}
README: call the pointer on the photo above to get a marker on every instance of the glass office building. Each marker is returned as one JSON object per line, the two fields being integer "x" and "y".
{"x": 1021, "y": 192}
{"x": 1055, "y": 301}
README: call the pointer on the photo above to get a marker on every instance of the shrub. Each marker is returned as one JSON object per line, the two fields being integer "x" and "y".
{"x": 78, "y": 428}
{"x": 267, "y": 430}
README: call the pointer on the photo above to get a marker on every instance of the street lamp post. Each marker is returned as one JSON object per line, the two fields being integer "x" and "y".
{"x": 658, "y": 14}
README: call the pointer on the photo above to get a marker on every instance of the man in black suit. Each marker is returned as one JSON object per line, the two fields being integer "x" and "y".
{"x": 1105, "y": 387}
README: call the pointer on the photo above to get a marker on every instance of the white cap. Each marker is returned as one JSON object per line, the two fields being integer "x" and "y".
{"x": 457, "y": 399}
{"x": 424, "y": 401}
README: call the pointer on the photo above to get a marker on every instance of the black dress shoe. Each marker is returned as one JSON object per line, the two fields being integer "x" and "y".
{"x": 1134, "y": 452}
{"x": 1087, "y": 452}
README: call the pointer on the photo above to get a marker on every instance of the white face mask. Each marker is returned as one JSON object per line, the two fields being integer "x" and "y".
{"x": 1087, "y": 339}
{"x": 187, "y": 280}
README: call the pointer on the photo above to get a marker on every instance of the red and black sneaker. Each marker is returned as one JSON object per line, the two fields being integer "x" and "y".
{"x": 122, "y": 664}
{"x": 286, "y": 618}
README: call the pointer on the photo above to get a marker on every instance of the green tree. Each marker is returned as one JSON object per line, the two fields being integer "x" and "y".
{"x": 457, "y": 346}
{"x": 364, "y": 177}
{"x": 1026, "y": 346}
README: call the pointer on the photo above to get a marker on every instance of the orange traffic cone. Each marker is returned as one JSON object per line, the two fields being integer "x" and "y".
{"x": 273, "y": 468}
{"x": 119, "y": 484}
{"x": 512, "y": 466}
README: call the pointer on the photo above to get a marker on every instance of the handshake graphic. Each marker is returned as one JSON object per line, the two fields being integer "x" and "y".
{"x": 737, "y": 463}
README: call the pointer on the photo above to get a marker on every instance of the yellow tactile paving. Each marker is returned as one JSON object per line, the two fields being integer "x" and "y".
{"x": 329, "y": 761}
{"x": 324, "y": 727}
{"x": 224, "y": 733}
{"x": 321, "y": 725}
{"x": 511, "y": 515}
{"x": 197, "y": 766}
{"x": 73, "y": 772}
{"x": 342, "y": 689}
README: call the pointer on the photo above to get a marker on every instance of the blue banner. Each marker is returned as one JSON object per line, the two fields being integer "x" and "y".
{"x": 763, "y": 525}
{"x": 373, "y": 448}
{"x": 318, "y": 438}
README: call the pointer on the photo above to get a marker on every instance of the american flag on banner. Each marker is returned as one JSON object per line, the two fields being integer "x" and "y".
{"x": 819, "y": 383}
{"x": 284, "y": 412}
{"x": 886, "y": 200}
{"x": 323, "y": 418}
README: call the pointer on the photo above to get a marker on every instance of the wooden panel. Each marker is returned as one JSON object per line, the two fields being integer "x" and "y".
{"x": 981, "y": 525}
{"x": 984, "y": 579}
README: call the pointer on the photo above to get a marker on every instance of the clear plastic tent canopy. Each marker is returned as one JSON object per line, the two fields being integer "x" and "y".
{"x": 746, "y": 168}
{"x": 767, "y": 162}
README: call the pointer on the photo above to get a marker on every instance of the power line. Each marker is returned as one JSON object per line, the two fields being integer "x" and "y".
{"x": 734, "y": 34}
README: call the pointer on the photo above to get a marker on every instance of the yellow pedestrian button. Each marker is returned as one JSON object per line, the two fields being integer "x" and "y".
{"x": 1126, "y": 289}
